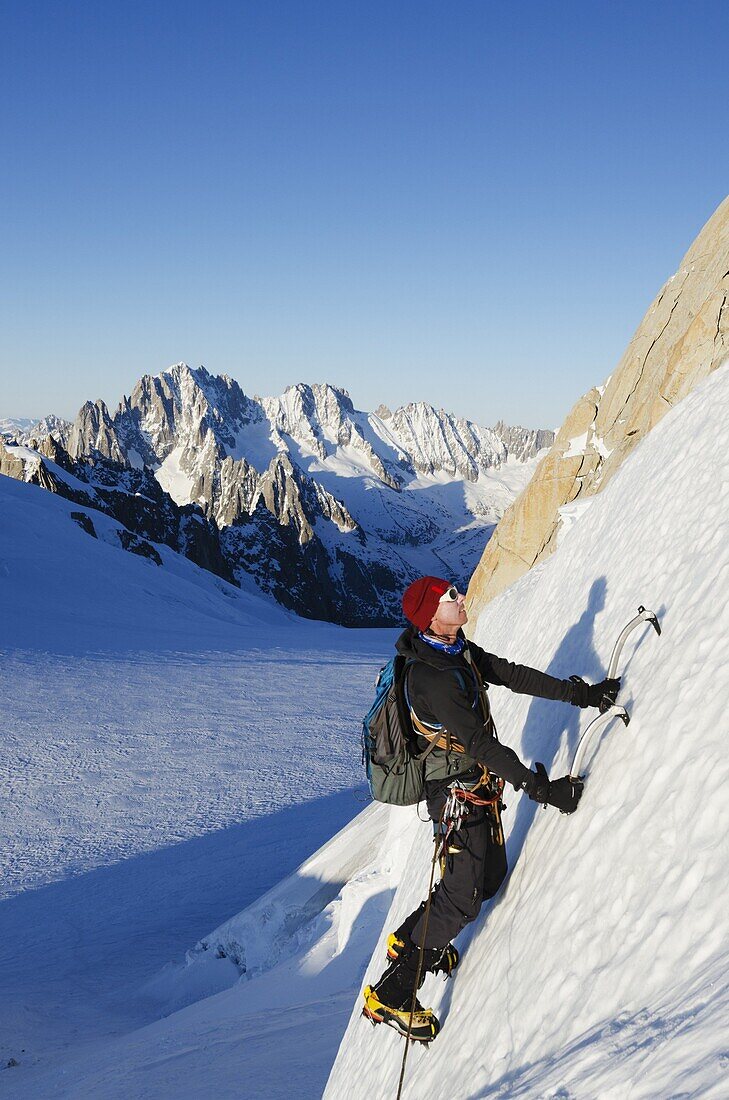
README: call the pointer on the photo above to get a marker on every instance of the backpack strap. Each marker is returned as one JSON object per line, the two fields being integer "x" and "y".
{"x": 483, "y": 695}
{"x": 439, "y": 737}
{"x": 437, "y": 740}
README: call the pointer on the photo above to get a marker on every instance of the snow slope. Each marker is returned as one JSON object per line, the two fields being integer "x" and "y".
{"x": 601, "y": 969}
{"x": 163, "y": 765}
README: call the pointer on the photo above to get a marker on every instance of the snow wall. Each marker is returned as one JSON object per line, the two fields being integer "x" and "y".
{"x": 601, "y": 968}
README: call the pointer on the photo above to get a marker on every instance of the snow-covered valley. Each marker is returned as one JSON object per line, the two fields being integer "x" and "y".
{"x": 166, "y": 759}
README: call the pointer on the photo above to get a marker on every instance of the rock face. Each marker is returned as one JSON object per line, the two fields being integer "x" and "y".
{"x": 134, "y": 545}
{"x": 94, "y": 434}
{"x": 331, "y": 510}
{"x": 683, "y": 337}
{"x": 85, "y": 522}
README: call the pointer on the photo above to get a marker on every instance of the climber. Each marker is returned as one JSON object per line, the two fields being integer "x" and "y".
{"x": 446, "y": 694}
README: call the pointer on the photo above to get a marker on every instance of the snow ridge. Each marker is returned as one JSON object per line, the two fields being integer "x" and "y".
{"x": 601, "y": 969}
{"x": 615, "y": 915}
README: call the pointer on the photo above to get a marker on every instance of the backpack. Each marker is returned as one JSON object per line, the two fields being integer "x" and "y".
{"x": 395, "y": 768}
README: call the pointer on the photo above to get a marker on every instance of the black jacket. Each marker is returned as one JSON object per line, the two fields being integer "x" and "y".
{"x": 439, "y": 696}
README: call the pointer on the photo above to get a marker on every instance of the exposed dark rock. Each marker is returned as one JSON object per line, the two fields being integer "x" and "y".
{"x": 49, "y": 447}
{"x": 133, "y": 497}
{"x": 94, "y": 434}
{"x": 85, "y": 523}
{"x": 303, "y": 577}
{"x": 135, "y": 545}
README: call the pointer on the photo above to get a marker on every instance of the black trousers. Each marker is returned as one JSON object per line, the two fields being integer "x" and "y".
{"x": 473, "y": 873}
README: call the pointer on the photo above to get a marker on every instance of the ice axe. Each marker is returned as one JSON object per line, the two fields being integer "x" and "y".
{"x": 613, "y": 710}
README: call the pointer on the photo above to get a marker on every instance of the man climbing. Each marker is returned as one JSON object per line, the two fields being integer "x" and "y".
{"x": 445, "y": 692}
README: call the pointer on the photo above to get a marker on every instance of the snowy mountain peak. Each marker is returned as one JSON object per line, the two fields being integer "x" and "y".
{"x": 312, "y": 415}
{"x": 330, "y": 509}
{"x": 439, "y": 441}
{"x": 94, "y": 432}
{"x": 15, "y": 426}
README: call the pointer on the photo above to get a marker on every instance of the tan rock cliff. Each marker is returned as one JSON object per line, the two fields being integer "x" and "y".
{"x": 683, "y": 337}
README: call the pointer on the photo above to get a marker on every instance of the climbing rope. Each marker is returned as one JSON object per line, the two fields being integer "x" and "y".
{"x": 451, "y": 816}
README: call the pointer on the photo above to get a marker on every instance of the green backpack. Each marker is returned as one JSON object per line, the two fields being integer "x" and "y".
{"x": 395, "y": 768}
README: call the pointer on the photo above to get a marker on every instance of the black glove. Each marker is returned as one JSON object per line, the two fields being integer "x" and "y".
{"x": 601, "y": 695}
{"x": 564, "y": 794}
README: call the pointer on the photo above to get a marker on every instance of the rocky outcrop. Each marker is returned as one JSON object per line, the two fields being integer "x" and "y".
{"x": 23, "y": 464}
{"x": 279, "y": 491}
{"x": 49, "y": 447}
{"x": 11, "y": 465}
{"x": 85, "y": 522}
{"x": 683, "y": 337}
{"x": 320, "y": 503}
{"x": 297, "y": 501}
{"x": 134, "y": 545}
{"x": 234, "y": 490}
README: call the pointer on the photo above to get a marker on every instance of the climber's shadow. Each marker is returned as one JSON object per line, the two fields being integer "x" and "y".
{"x": 575, "y": 654}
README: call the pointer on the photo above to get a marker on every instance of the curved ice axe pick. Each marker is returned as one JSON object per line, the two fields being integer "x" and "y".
{"x": 614, "y": 711}
{"x": 596, "y": 724}
{"x": 643, "y": 616}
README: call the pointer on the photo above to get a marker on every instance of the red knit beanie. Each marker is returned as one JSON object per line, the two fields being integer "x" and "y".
{"x": 421, "y": 598}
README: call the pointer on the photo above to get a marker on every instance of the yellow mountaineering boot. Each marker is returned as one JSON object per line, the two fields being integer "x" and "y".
{"x": 389, "y": 1000}
{"x": 394, "y": 946}
{"x": 436, "y": 960}
{"x": 425, "y": 1025}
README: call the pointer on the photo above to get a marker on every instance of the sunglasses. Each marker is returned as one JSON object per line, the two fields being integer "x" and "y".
{"x": 450, "y": 595}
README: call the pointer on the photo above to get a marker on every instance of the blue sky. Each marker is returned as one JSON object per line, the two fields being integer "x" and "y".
{"x": 470, "y": 204}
